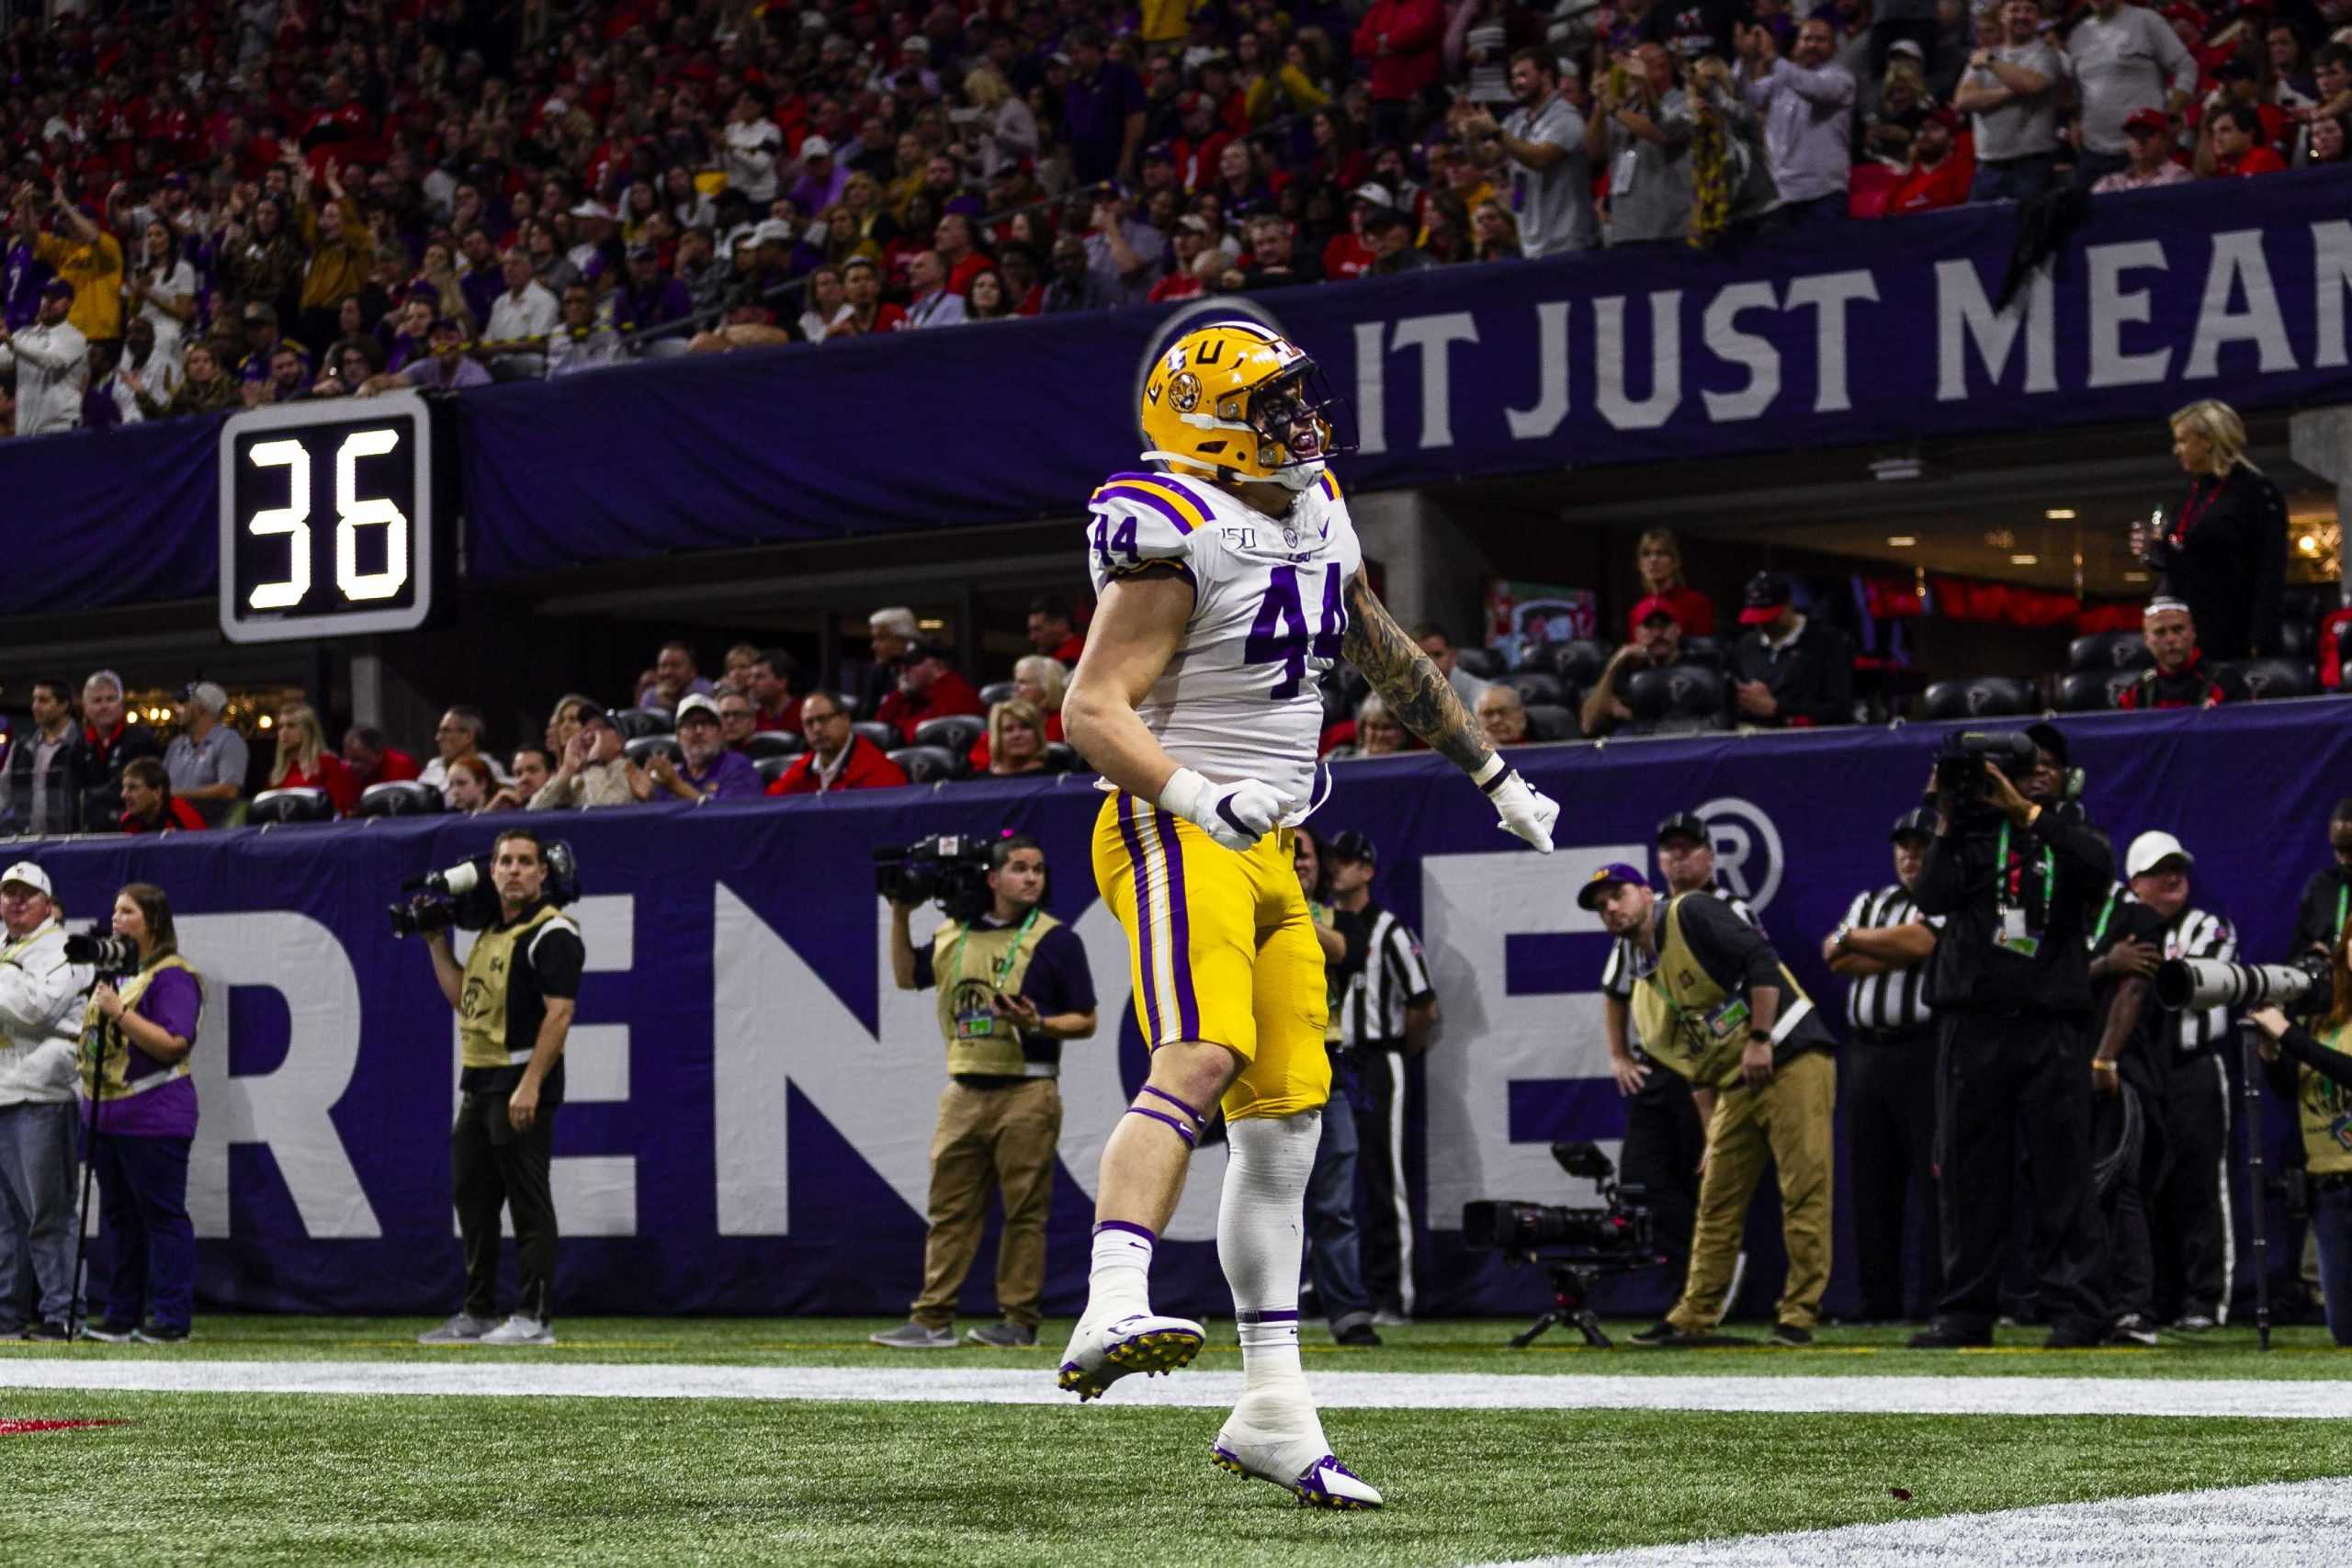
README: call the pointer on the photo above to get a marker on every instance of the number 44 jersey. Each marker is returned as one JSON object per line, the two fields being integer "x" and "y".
{"x": 1241, "y": 697}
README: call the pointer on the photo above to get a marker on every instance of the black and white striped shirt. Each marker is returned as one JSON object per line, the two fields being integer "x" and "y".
{"x": 1394, "y": 977}
{"x": 1622, "y": 968}
{"x": 1896, "y": 1002}
{"x": 2196, "y": 933}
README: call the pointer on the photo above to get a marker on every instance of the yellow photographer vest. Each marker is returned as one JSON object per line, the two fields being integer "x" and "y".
{"x": 482, "y": 1003}
{"x": 2325, "y": 1111}
{"x": 969, "y": 965}
{"x": 106, "y": 1049}
{"x": 1687, "y": 1021}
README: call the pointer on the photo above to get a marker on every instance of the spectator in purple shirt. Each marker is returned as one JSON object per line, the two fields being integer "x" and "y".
{"x": 822, "y": 176}
{"x": 20, "y": 285}
{"x": 710, "y": 771}
{"x": 482, "y": 281}
{"x": 446, "y": 370}
{"x": 649, "y": 297}
{"x": 1103, "y": 111}
{"x": 139, "y": 1110}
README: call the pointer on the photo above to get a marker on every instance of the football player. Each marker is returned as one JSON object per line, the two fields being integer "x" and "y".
{"x": 1229, "y": 580}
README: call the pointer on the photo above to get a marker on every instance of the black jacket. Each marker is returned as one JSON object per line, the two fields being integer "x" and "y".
{"x": 2230, "y": 568}
{"x": 2316, "y": 915}
{"x": 1957, "y": 880}
{"x": 102, "y": 765}
{"x": 1811, "y": 679}
{"x": 62, "y": 785}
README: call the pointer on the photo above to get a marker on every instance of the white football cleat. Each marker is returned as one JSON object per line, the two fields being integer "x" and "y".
{"x": 1100, "y": 1354}
{"x": 1301, "y": 1463}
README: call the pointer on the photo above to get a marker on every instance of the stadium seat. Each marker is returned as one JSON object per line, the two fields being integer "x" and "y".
{"x": 956, "y": 733}
{"x": 2104, "y": 652}
{"x": 274, "y": 806}
{"x": 1679, "y": 698}
{"x": 645, "y": 748}
{"x": 1981, "y": 696}
{"x": 848, "y": 701}
{"x": 634, "y": 722}
{"x": 1536, "y": 686}
{"x": 928, "y": 765}
{"x": 1483, "y": 662}
{"x": 772, "y": 768}
{"x": 996, "y": 692}
{"x": 1547, "y": 722}
{"x": 398, "y": 798}
{"x": 1580, "y": 661}
{"x": 2093, "y": 691}
{"x": 1063, "y": 758}
{"x": 1707, "y": 650}
{"x": 775, "y": 743}
{"x": 885, "y": 736}
{"x": 2297, "y": 640}
{"x": 2272, "y": 678}
{"x": 663, "y": 348}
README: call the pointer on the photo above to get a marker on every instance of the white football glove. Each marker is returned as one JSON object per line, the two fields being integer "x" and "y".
{"x": 1236, "y": 815}
{"x": 1526, "y": 812}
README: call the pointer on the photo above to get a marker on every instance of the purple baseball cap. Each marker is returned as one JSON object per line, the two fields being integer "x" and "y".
{"x": 1607, "y": 877}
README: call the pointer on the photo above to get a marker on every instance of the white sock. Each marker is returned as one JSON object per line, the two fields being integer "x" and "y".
{"x": 1261, "y": 1239}
{"x": 1119, "y": 1282}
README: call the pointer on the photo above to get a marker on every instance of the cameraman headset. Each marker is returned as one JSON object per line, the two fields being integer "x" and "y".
{"x": 38, "y": 1022}
{"x": 2016, "y": 870}
{"x": 1013, "y": 983}
{"x": 515, "y": 999}
{"x": 135, "y": 1044}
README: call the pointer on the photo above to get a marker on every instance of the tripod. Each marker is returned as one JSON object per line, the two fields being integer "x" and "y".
{"x": 1572, "y": 1282}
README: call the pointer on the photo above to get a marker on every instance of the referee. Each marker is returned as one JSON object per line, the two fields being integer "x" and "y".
{"x": 2189, "y": 1204}
{"x": 514, "y": 998}
{"x": 1386, "y": 1021}
{"x": 1663, "y": 1135}
{"x": 1882, "y": 948}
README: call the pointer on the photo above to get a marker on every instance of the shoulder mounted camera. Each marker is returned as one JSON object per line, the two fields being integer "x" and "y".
{"x": 1960, "y": 763}
{"x": 950, "y": 870}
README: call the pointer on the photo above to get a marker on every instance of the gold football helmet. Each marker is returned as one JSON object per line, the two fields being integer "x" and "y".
{"x": 1236, "y": 398}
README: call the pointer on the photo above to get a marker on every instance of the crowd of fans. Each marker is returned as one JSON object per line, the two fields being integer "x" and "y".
{"x": 275, "y": 200}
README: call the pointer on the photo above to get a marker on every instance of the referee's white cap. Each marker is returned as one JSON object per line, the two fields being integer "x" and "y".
{"x": 2151, "y": 850}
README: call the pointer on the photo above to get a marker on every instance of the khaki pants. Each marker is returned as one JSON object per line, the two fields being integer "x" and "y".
{"x": 1790, "y": 1120}
{"x": 991, "y": 1137}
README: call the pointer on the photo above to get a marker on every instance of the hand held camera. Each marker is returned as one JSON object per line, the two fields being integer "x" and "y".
{"x": 465, "y": 896}
{"x": 950, "y": 870}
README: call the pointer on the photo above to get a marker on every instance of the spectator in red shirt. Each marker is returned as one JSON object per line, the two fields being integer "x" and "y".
{"x": 2181, "y": 678}
{"x": 2230, "y": 145}
{"x": 1053, "y": 630}
{"x": 1405, "y": 40}
{"x": 868, "y": 311}
{"x": 1041, "y": 682}
{"x": 1660, "y": 559}
{"x": 370, "y": 761}
{"x": 1347, "y": 254}
{"x": 1192, "y": 237}
{"x": 304, "y": 761}
{"x": 1941, "y": 167}
{"x": 111, "y": 743}
{"x": 958, "y": 252}
{"x": 928, "y": 688}
{"x": 148, "y": 804}
{"x": 769, "y": 684}
{"x": 838, "y": 758}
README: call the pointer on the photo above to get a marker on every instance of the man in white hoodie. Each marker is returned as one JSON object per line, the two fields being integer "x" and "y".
{"x": 41, "y": 1015}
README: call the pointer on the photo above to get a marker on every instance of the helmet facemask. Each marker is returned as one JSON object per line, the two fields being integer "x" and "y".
{"x": 1275, "y": 413}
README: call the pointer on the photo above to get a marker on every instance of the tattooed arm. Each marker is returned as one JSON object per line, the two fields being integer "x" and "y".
{"x": 1409, "y": 682}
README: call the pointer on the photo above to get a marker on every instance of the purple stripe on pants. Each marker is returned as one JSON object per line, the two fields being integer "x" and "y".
{"x": 1188, "y": 1006}
{"x": 1134, "y": 842}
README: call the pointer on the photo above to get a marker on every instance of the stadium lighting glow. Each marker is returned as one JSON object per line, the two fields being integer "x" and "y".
{"x": 2025, "y": 560}
{"x": 2307, "y": 543}
{"x": 2059, "y": 514}
{"x": 1901, "y": 541}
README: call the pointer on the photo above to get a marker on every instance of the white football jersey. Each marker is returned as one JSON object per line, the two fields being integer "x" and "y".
{"x": 1241, "y": 697}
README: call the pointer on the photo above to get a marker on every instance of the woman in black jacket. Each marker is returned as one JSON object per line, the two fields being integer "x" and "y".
{"x": 2225, "y": 552}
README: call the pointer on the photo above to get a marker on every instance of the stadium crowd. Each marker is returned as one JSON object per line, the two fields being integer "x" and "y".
{"x": 222, "y": 207}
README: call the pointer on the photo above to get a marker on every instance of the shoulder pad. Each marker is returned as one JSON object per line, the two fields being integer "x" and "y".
{"x": 1138, "y": 517}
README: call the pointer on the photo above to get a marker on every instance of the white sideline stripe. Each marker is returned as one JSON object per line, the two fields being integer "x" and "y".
{"x": 470, "y": 1373}
{"x": 2282, "y": 1525}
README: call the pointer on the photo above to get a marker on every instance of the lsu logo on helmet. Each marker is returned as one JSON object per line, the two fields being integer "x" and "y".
{"x": 1235, "y": 396}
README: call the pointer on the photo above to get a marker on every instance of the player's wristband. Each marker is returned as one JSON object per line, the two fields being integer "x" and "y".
{"x": 1489, "y": 775}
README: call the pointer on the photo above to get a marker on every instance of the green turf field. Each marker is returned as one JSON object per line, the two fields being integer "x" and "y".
{"x": 316, "y": 1480}
{"x": 323, "y": 1478}
{"x": 1430, "y": 1346}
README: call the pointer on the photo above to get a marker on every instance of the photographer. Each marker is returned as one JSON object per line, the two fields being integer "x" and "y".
{"x": 1714, "y": 1004}
{"x": 514, "y": 998}
{"x": 1012, "y": 985}
{"x": 135, "y": 1044}
{"x": 2316, "y": 1073}
{"x": 39, "y": 989}
{"x": 2327, "y": 897}
{"x": 2016, "y": 869}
